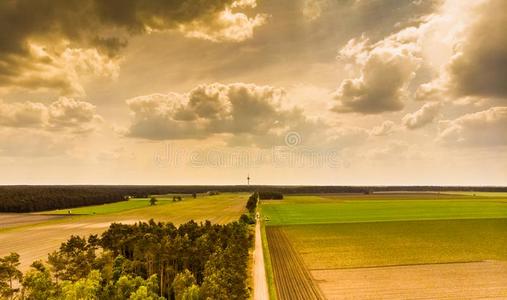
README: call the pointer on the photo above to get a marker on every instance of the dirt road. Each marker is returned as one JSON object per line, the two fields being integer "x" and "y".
{"x": 260, "y": 283}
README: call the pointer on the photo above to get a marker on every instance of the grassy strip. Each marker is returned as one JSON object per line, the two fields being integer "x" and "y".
{"x": 267, "y": 264}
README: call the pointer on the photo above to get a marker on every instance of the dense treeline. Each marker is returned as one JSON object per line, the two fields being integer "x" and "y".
{"x": 141, "y": 261}
{"x": 38, "y": 198}
{"x": 268, "y": 195}
{"x": 251, "y": 204}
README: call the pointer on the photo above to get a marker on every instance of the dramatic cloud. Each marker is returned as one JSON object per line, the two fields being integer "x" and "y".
{"x": 48, "y": 44}
{"x": 26, "y": 114}
{"x": 62, "y": 71}
{"x": 71, "y": 114}
{"x": 462, "y": 41}
{"x": 65, "y": 114}
{"x": 425, "y": 115}
{"x": 212, "y": 109}
{"x": 477, "y": 66}
{"x": 484, "y": 128}
{"x": 386, "y": 68}
{"x": 227, "y": 26}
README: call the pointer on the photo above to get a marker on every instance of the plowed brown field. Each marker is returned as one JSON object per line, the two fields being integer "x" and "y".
{"x": 293, "y": 281}
{"x": 475, "y": 280}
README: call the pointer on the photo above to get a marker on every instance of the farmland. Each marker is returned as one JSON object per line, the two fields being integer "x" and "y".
{"x": 13, "y": 219}
{"x": 374, "y": 244}
{"x": 349, "y": 208}
{"x": 35, "y": 240}
{"x": 104, "y": 208}
{"x": 288, "y": 269}
{"x": 392, "y": 246}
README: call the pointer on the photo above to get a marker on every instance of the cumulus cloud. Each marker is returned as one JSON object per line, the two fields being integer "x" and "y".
{"x": 26, "y": 114}
{"x": 47, "y": 44}
{"x": 386, "y": 68}
{"x": 65, "y": 114}
{"x": 425, "y": 115}
{"x": 210, "y": 109}
{"x": 44, "y": 68}
{"x": 228, "y": 25}
{"x": 240, "y": 114}
{"x": 484, "y": 128}
{"x": 461, "y": 41}
{"x": 477, "y": 66}
{"x": 77, "y": 116}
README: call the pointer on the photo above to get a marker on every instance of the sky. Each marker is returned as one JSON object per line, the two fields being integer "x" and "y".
{"x": 315, "y": 92}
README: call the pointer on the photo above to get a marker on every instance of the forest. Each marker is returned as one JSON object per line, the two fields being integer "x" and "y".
{"x": 142, "y": 261}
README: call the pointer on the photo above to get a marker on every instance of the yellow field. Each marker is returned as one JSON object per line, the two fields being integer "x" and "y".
{"x": 35, "y": 241}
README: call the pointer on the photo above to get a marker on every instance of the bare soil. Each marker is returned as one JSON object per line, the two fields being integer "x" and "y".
{"x": 474, "y": 280}
{"x": 13, "y": 219}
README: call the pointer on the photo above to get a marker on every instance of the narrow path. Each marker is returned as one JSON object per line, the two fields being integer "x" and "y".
{"x": 260, "y": 283}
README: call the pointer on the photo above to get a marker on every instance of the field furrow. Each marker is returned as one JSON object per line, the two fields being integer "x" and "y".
{"x": 293, "y": 281}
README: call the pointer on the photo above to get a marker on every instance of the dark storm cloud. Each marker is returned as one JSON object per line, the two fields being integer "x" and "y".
{"x": 89, "y": 21}
{"x": 480, "y": 68}
{"x": 103, "y": 25}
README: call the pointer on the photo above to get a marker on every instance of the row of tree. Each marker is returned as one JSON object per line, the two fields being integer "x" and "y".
{"x": 268, "y": 195}
{"x": 251, "y": 204}
{"x": 142, "y": 261}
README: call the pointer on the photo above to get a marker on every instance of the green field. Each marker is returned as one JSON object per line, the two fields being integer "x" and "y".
{"x": 105, "y": 208}
{"x": 348, "y": 209}
{"x": 330, "y": 246}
